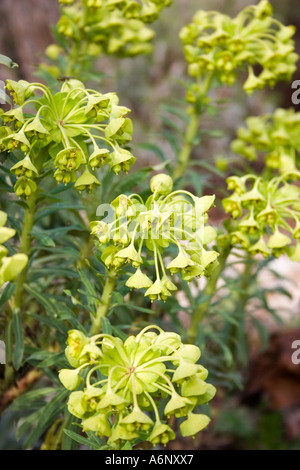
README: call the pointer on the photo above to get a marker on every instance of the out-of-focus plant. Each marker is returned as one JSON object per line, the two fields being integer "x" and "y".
{"x": 274, "y": 137}
{"x": 265, "y": 211}
{"x": 88, "y": 28}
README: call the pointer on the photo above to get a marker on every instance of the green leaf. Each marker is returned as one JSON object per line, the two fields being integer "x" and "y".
{"x": 81, "y": 440}
{"x": 70, "y": 424}
{"x": 42, "y": 237}
{"x": 153, "y": 148}
{"x": 106, "y": 326}
{"x": 41, "y": 299}
{"x": 7, "y": 293}
{"x": 92, "y": 294}
{"x": 19, "y": 339}
{"x": 27, "y": 400}
{"x": 4, "y": 60}
{"x": 49, "y": 413}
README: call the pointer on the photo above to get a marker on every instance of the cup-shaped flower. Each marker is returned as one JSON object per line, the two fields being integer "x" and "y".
{"x": 139, "y": 280}
{"x": 77, "y": 405}
{"x": 161, "y": 433}
{"x": 97, "y": 423}
{"x": 70, "y": 378}
{"x": 193, "y": 424}
{"x": 137, "y": 419}
{"x": 86, "y": 181}
{"x": 178, "y": 406}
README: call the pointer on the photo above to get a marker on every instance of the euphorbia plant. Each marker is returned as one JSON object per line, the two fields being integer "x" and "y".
{"x": 128, "y": 380}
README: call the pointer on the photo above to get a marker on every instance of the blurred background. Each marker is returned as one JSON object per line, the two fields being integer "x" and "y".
{"x": 265, "y": 414}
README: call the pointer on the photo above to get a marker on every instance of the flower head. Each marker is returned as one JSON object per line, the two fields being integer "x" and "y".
{"x": 136, "y": 373}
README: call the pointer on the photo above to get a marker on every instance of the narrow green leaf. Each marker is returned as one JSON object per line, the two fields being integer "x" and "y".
{"x": 7, "y": 293}
{"x": 106, "y": 326}
{"x": 80, "y": 439}
{"x": 19, "y": 339}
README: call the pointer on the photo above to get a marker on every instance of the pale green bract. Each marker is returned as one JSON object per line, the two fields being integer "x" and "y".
{"x": 266, "y": 213}
{"x": 136, "y": 374}
{"x": 275, "y": 137}
{"x": 10, "y": 266}
{"x": 217, "y": 45}
{"x": 74, "y": 132}
{"x": 167, "y": 218}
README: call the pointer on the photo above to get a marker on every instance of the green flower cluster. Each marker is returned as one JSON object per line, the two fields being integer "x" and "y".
{"x": 126, "y": 381}
{"x": 110, "y": 26}
{"x": 218, "y": 45}
{"x": 74, "y": 130}
{"x": 10, "y": 266}
{"x": 275, "y": 136}
{"x": 167, "y": 218}
{"x": 267, "y": 213}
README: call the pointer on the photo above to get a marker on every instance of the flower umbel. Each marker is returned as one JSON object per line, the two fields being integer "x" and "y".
{"x": 167, "y": 218}
{"x": 75, "y": 132}
{"x": 125, "y": 383}
{"x": 218, "y": 45}
{"x": 268, "y": 218}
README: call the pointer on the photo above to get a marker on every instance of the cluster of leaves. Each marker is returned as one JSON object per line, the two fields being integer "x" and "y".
{"x": 218, "y": 45}
{"x": 263, "y": 207}
{"x": 275, "y": 137}
{"x": 76, "y": 129}
{"x": 166, "y": 218}
{"x": 136, "y": 378}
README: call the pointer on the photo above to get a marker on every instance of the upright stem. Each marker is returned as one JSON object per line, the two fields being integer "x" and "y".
{"x": 236, "y": 330}
{"x": 192, "y": 130}
{"x": 25, "y": 240}
{"x": 208, "y": 291}
{"x": 103, "y": 308}
{"x": 18, "y": 296}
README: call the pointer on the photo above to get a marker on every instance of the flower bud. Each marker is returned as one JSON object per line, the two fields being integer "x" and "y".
{"x": 161, "y": 184}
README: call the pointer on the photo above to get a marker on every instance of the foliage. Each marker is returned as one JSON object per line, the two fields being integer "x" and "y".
{"x": 134, "y": 362}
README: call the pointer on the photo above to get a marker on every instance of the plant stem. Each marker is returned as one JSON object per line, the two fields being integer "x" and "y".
{"x": 103, "y": 308}
{"x": 191, "y": 133}
{"x": 236, "y": 330}
{"x": 25, "y": 240}
{"x": 18, "y": 295}
{"x": 208, "y": 291}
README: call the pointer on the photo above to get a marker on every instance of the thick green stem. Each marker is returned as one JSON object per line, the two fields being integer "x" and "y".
{"x": 187, "y": 148}
{"x": 209, "y": 292}
{"x": 25, "y": 240}
{"x": 103, "y": 308}
{"x": 191, "y": 133}
{"x": 18, "y": 296}
{"x": 238, "y": 330}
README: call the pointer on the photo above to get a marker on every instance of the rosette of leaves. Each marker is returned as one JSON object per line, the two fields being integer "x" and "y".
{"x": 74, "y": 132}
{"x": 10, "y": 266}
{"x": 131, "y": 388}
{"x": 275, "y": 137}
{"x": 266, "y": 213}
{"x": 217, "y": 45}
{"x": 135, "y": 229}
